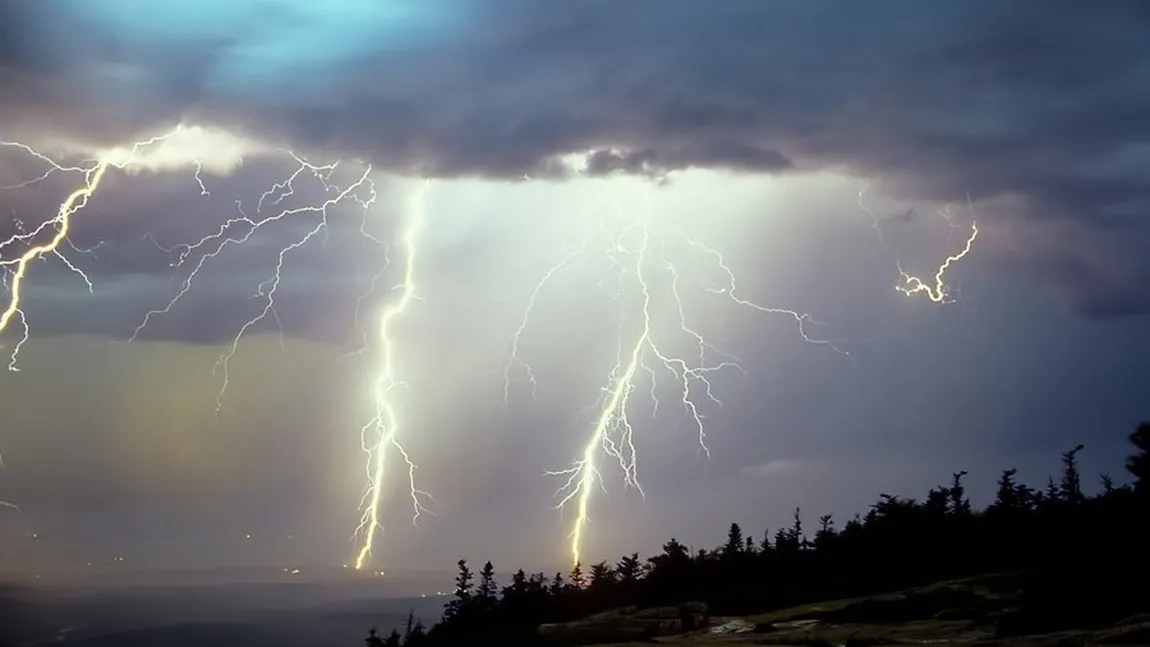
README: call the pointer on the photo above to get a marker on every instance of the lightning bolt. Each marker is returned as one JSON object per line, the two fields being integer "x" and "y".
{"x": 639, "y": 251}
{"x": 238, "y": 230}
{"x": 939, "y": 292}
{"x": 935, "y": 289}
{"x": 16, "y": 269}
{"x": 381, "y": 433}
{"x": 267, "y": 290}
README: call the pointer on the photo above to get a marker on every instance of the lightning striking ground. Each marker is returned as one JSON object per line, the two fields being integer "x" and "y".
{"x": 641, "y": 255}
{"x": 381, "y": 433}
{"x": 646, "y": 262}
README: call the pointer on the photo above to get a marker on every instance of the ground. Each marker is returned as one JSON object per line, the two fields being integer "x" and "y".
{"x": 962, "y": 612}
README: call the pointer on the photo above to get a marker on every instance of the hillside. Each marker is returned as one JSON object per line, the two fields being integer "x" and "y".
{"x": 978, "y": 612}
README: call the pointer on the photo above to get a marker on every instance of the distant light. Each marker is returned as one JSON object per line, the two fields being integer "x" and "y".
{"x": 248, "y": 536}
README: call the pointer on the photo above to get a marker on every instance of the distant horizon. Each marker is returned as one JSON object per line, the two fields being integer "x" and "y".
{"x": 224, "y": 575}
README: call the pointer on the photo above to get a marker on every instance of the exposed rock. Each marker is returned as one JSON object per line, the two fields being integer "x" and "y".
{"x": 628, "y": 624}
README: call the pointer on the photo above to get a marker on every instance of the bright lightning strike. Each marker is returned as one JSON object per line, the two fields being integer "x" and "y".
{"x": 939, "y": 291}
{"x": 60, "y": 226}
{"x": 381, "y": 433}
{"x": 643, "y": 257}
{"x": 935, "y": 288}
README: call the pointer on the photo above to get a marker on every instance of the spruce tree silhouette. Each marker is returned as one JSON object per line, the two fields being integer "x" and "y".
{"x": 1071, "y": 485}
{"x": 1139, "y": 464}
{"x": 486, "y": 594}
{"x": 734, "y": 544}
{"x": 1080, "y": 558}
{"x": 461, "y": 604}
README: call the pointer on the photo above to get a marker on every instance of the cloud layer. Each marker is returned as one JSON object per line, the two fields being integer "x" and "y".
{"x": 1039, "y": 111}
{"x": 977, "y": 96}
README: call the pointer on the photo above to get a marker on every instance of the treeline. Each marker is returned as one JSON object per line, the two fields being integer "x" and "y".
{"x": 1083, "y": 559}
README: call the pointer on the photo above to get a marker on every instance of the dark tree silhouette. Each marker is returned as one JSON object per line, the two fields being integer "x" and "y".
{"x": 1080, "y": 559}
{"x": 959, "y": 504}
{"x": 1139, "y": 464}
{"x": 463, "y": 584}
{"x": 578, "y": 579}
{"x": 734, "y": 544}
{"x": 486, "y": 594}
{"x": 826, "y": 533}
{"x": 765, "y": 545}
{"x": 1071, "y": 485}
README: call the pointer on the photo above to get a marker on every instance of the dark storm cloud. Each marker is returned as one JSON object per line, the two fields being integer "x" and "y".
{"x": 1045, "y": 103}
{"x": 894, "y": 85}
{"x": 654, "y": 161}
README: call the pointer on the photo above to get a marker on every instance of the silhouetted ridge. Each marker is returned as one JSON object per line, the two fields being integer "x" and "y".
{"x": 1067, "y": 559}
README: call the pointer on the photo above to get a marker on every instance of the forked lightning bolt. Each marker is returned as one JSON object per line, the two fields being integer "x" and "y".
{"x": 238, "y": 230}
{"x": 60, "y": 225}
{"x": 935, "y": 288}
{"x": 938, "y": 292}
{"x": 638, "y": 251}
{"x": 381, "y": 433}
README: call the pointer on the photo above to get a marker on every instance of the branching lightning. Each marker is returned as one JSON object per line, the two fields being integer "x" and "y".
{"x": 381, "y": 433}
{"x": 935, "y": 288}
{"x": 238, "y": 230}
{"x": 641, "y": 261}
{"x": 17, "y": 268}
{"x": 640, "y": 252}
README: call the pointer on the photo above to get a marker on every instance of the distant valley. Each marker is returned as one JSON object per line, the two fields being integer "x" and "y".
{"x": 284, "y": 614}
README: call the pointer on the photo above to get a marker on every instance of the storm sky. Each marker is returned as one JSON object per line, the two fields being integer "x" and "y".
{"x": 750, "y": 126}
